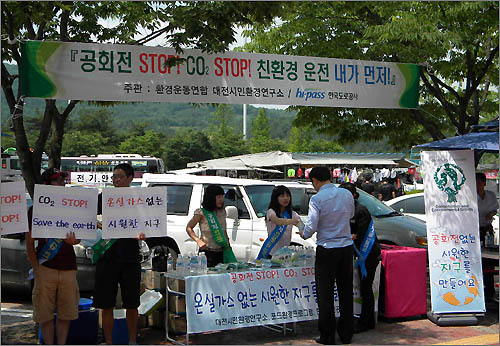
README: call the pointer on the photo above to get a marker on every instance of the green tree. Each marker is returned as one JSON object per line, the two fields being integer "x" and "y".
{"x": 223, "y": 138}
{"x": 455, "y": 42}
{"x": 306, "y": 140}
{"x": 151, "y": 143}
{"x": 58, "y": 21}
{"x": 78, "y": 143}
{"x": 261, "y": 140}
{"x": 187, "y": 145}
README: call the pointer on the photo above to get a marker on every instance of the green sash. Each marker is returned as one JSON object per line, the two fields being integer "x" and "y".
{"x": 218, "y": 236}
{"x": 100, "y": 248}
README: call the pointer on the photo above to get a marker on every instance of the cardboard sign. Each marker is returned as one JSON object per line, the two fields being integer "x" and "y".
{"x": 58, "y": 210}
{"x": 128, "y": 211}
{"x": 13, "y": 205}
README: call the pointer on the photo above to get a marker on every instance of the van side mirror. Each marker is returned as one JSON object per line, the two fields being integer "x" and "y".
{"x": 231, "y": 212}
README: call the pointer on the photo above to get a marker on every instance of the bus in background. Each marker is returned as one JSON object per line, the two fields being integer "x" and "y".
{"x": 97, "y": 170}
{"x": 11, "y": 166}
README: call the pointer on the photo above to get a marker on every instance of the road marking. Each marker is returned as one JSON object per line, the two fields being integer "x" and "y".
{"x": 17, "y": 313}
{"x": 488, "y": 339}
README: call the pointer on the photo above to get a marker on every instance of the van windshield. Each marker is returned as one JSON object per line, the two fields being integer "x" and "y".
{"x": 259, "y": 195}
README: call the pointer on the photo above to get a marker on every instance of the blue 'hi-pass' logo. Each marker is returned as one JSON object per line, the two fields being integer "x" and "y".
{"x": 310, "y": 94}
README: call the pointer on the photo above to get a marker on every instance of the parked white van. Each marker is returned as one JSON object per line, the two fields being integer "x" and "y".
{"x": 246, "y": 202}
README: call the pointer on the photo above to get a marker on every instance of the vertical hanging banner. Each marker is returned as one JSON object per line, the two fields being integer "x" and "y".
{"x": 110, "y": 72}
{"x": 453, "y": 231}
{"x": 128, "y": 211}
{"x": 13, "y": 206}
{"x": 58, "y": 210}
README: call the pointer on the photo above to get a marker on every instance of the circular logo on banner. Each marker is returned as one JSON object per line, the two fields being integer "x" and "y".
{"x": 450, "y": 178}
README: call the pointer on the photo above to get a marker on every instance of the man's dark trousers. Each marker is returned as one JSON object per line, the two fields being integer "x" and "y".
{"x": 334, "y": 265}
{"x": 367, "y": 317}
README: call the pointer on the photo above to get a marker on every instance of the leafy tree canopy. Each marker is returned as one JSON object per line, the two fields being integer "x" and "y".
{"x": 455, "y": 42}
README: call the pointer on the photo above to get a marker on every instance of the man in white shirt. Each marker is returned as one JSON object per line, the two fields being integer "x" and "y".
{"x": 330, "y": 212}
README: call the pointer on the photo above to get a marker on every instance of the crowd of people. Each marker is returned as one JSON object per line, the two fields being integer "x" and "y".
{"x": 344, "y": 231}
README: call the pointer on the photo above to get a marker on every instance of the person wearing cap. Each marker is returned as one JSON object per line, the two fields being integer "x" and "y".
{"x": 55, "y": 275}
{"x": 120, "y": 265}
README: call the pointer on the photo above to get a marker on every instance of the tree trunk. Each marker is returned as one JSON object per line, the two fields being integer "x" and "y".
{"x": 57, "y": 134}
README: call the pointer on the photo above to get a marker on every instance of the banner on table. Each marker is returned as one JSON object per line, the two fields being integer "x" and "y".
{"x": 91, "y": 178}
{"x": 58, "y": 210}
{"x": 128, "y": 211}
{"x": 252, "y": 298}
{"x": 245, "y": 299}
{"x": 110, "y": 72}
{"x": 13, "y": 206}
{"x": 453, "y": 231}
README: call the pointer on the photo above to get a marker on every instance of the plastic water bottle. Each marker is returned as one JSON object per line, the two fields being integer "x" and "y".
{"x": 170, "y": 263}
{"x": 181, "y": 265}
{"x": 203, "y": 263}
{"x": 194, "y": 264}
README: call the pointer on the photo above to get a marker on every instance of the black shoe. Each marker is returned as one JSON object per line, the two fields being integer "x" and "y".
{"x": 323, "y": 342}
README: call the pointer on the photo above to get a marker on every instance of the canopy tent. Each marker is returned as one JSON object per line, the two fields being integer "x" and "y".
{"x": 483, "y": 139}
{"x": 272, "y": 160}
{"x": 480, "y": 141}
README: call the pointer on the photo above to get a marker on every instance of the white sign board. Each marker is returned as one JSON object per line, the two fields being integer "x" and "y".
{"x": 252, "y": 298}
{"x": 91, "y": 178}
{"x": 13, "y": 206}
{"x": 112, "y": 72}
{"x": 58, "y": 210}
{"x": 128, "y": 211}
{"x": 453, "y": 231}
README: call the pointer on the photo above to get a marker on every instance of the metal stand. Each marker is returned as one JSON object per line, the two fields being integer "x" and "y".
{"x": 444, "y": 320}
{"x": 168, "y": 291}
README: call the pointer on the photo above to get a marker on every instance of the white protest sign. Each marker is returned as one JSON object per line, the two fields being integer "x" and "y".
{"x": 453, "y": 231}
{"x": 13, "y": 205}
{"x": 128, "y": 211}
{"x": 58, "y": 210}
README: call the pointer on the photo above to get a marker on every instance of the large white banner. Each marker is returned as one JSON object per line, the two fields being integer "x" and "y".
{"x": 13, "y": 208}
{"x": 58, "y": 210}
{"x": 453, "y": 231}
{"x": 109, "y": 72}
{"x": 128, "y": 211}
{"x": 270, "y": 296}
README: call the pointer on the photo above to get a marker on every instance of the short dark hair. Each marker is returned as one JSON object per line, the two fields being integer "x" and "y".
{"x": 351, "y": 188}
{"x": 273, "y": 203}
{"x": 211, "y": 191}
{"x": 125, "y": 167}
{"x": 481, "y": 176}
{"x": 320, "y": 173}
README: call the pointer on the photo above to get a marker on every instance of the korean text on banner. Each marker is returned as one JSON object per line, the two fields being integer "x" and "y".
{"x": 128, "y": 211}
{"x": 453, "y": 231}
{"x": 98, "y": 179}
{"x": 245, "y": 299}
{"x": 13, "y": 206}
{"x": 58, "y": 210}
{"x": 111, "y": 72}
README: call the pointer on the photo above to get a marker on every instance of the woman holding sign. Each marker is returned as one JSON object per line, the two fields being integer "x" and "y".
{"x": 211, "y": 217}
{"x": 279, "y": 220}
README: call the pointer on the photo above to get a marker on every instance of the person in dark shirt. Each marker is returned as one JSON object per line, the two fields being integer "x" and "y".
{"x": 387, "y": 191}
{"x": 368, "y": 187}
{"x": 55, "y": 276}
{"x": 120, "y": 264}
{"x": 360, "y": 225}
